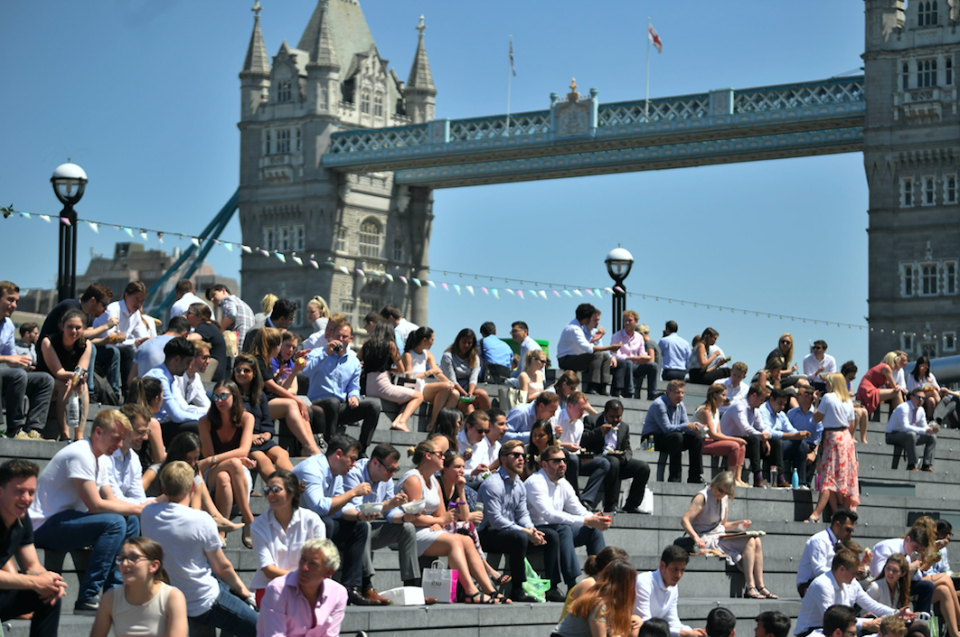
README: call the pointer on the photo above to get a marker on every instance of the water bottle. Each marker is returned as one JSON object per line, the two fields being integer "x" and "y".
{"x": 795, "y": 479}
{"x": 73, "y": 410}
{"x": 774, "y": 476}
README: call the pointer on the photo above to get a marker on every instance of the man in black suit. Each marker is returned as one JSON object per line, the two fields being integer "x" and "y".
{"x": 605, "y": 434}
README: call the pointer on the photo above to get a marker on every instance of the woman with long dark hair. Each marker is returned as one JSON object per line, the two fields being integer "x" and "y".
{"x": 892, "y": 587}
{"x": 66, "y": 356}
{"x": 419, "y": 364}
{"x": 461, "y": 364}
{"x": 921, "y": 376}
{"x": 264, "y": 449}
{"x": 607, "y": 608}
{"x": 541, "y": 437}
{"x": 381, "y": 359}
{"x": 717, "y": 443}
{"x": 148, "y": 392}
{"x": 706, "y": 365}
{"x": 449, "y": 423}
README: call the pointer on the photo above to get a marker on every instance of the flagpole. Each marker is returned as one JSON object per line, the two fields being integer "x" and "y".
{"x": 646, "y": 107}
{"x": 509, "y": 79}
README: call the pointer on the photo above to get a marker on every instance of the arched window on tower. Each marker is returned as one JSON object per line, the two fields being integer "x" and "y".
{"x": 365, "y": 102}
{"x": 370, "y": 238}
{"x": 378, "y": 105}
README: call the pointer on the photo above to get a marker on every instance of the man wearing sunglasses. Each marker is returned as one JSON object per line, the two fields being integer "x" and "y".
{"x": 817, "y": 364}
{"x": 908, "y": 428}
{"x": 388, "y": 527}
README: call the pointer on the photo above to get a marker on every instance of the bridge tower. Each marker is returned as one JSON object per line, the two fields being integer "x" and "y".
{"x": 912, "y": 161}
{"x": 333, "y": 79}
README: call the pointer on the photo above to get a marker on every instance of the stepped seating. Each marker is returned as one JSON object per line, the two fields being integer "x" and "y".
{"x": 891, "y": 500}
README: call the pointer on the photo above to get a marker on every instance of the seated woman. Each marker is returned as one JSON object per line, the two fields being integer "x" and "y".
{"x": 462, "y": 500}
{"x": 282, "y": 366}
{"x": 541, "y": 437}
{"x": 146, "y": 604}
{"x": 878, "y": 386}
{"x": 921, "y": 376}
{"x": 226, "y": 433}
{"x": 592, "y": 568}
{"x": 718, "y": 444}
{"x": 419, "y": 364}
{"x": 318, "y": 313}
{"x": 432, "y": 540}
{"x": 892, "y": 587}
{"x": 279, "y": 533}
{"x": 607, "y": 608}
{"x": 783, "y": 354}
{"x": 531, "y": 379}
{"x": 148, "y": 392}
{"x": 66, "y": 356}
{"x": 461, "y": 364}
{"x": 924, "y": 531}
{"x": 381, "y": 359}
{"x": 566, "y": 385}
{"x": 283, "y": 403}
{"x": 706, "y": 521}
{"x": 449, "y": 423}
{"x": 264, "y": 448}
{"x": 706, "y": 365}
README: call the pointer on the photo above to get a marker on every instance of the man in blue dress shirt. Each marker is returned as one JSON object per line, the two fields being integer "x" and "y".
{"x": 673, "y": 433}
{"x": 497, "y": 355}
{"x": 175, "y": 415}
{"x": 786, "y": 443}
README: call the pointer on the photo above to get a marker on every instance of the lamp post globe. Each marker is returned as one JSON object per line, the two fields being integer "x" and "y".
{"x": 619, "y": 263}
{"x": 69, "y": 182}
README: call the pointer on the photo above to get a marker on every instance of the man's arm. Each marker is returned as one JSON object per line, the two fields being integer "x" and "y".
{"x": 90, "y": 494}
{"x": 50, "y": 586}
{"x": 871, "y": 605}
{"x": 224, "y": 570}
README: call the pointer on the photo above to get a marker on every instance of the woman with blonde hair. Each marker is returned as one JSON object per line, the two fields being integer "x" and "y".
{"x": 839, "y": 484}
{"x": 531, "y": 379}
{"x": 717, "y": 443}
{"x": 783, "y": 353}
{"x": 878, "y": 385}
{"x": 706, "y": 523}
{"x": 318, "y": 313}
{"x": 266, "y": 305}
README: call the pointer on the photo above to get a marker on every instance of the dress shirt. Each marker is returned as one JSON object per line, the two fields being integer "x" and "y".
{"x": 174, "y": 407}
{"x": 497, "y": 352}
{"x": 654, "y": 599}
{"x": 320, "y": 486}
{"x": 276, "y": 546}
{"x": 741, "y": 420}
{"x": 124, "y": 474}
{"x": 825, "y": 591}
{"x": 884, "y": 549}
{"x": 195, "y": 393}
{"x": 913, "y": 383}
{"x": 183, "y": 304}
{"x": 942, "y": 566}
{"x": 504, "y": 502}
{"x": 776, "y": 424}
{"x": 804, "y": 422}
{"x": 403, "y": 329}
{"x": 480, "y": 451}
{"x": 519, "y": 422}
{"x": 817, "y": 557}
{"x": 128, "y": 322}
{"x": 811, "y": 365}
{"x": 527, "y": 345}
{"x": 379, "y": 491}
{"x": 334, "y": 376}
{"x": 150, "y": 354}
{"x": 286, "y": 612}
{"x": 733, "y": 393}
{"x": 907, "y": 418}
{"x": 317, "y": 340}
{"x": 675, "y": 351}
{"x": 552, "y": 502}
{"x": 573, "y": 341}
{"x": 629, "y": 346}
{"x": 7, "y": 344}
{"x": 572, "y": 430}
{"x": 664, "y": 417}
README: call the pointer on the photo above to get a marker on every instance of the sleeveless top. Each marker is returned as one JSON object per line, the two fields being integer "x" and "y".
{"x": 711, "y": 515}
{"x": 219, "y": 446}
{"x": 131, "y": 620}
{"x": 431, "y": 495}
{"x": 68, "y": 358}
{"x": 418, "y": 366}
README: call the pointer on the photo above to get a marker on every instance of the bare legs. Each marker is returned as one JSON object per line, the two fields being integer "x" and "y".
{"x": 270, "y": 460}
{"x": 752, "y": 564}
{"x": 289, "y": 410}
{"x": 930, "y": 403}
{"x": 860, "y": 422}
{"x": 408, "y": 410}
{"x": 462, "y": 555}
{"x": 946, "y": 594}
{"x": 440, "y": 395}
{"x": 229, "y": 480}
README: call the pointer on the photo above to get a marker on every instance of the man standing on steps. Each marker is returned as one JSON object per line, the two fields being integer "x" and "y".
{"x": 657, "y": 592}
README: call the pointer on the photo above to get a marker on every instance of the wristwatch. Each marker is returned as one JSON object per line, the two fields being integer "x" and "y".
{"x": 213, "y": 459}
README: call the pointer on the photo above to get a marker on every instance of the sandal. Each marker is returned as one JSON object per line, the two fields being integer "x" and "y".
{"x": 812, "y": 519}
{"x": 498, "y": 598}
{"x": 472, "y": 599}
{"x": 245, "y": 537}
{"x": 756, "y": 593}
{"x": 502, "y": 580}
{"x": 766, "y": 593}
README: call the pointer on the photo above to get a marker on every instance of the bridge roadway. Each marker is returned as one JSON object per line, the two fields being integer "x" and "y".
{"x": 723, "y": 126}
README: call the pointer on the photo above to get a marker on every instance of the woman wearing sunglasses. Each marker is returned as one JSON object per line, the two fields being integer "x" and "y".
{"x": 225, "y": 435}
{"x": 264, "y": 449}
{"x": 279, "y": 533}
{"x": 66, "y": 356}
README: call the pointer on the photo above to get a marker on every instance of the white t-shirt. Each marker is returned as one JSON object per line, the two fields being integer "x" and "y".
{"x": 930, "y": 380}
{"x": 572, "y": 429}
{"x": 185, "y": 535}
{"x": 481, "y": 451}
{"x": 811, "y": 365}
{"x": 55, "y": 489}
{"x": 836, "y": 413}
{"x": 734, "y": 393}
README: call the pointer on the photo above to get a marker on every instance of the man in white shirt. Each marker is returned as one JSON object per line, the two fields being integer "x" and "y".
{"x": 319, "y": 340}
{"x": 841, "y": 621}
{"x": 819, "y": 550}
{"x": 194, "y": 559}
{"x": 576, "y": 350}
{"x": 915, "y": 541}
{"x": 401, "y": 326}
{"x": 657, "y": 592}
{"x": 570, "y": 421}
{"x": 818, "y": 364}
{"x": 520, "y": 334}
{"x": 123, "y": 340}
{"x": 124, "y": 473}
{"x": 742, "y": 420}
{"x": 474, "y": 446}
{"x": 69, "y": 512}
{"x": 907, "y": 428}
{"x": 838, "y": 586}
{"x": 553, "y": 504}
{"x": 676, "y": 353}
{"x": 191, "y": 383}
{"x": 498, "y": 427}
{"x": 185, "y": 298}
{"x": 736, "y": 388}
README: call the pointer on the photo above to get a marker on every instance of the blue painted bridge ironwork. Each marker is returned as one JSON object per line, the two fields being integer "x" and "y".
{"x": 578, "y": 136}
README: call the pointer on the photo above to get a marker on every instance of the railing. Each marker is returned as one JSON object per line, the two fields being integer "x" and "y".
{"x": 533, "y": 123}
{"x": 378, "y": 138}
{"x": 640, "y": 112}
{"x": 775, "y": 98}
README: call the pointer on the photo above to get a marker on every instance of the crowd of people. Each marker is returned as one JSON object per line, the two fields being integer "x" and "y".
{"x": 152, "y": 488}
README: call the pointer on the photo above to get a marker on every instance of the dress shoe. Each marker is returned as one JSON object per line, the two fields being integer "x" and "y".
{"x": 783, "y": 484}
{"x": 928, "y": 468}
{"x": 522, "y": 597}
{"x": 912, "y": 468}
{"x": 761, "y": 484}
{"x": 376, "y": 598}
{"x": 635, "y": 510}
{"x": 554, "y": 595}
{"x": 356, "y": 598}
{"x": 429, "y": 601}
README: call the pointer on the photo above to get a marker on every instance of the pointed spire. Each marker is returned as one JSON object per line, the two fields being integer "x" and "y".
{"x": 256, "y": 62}
{"x": 420, "y": 75}
{"x": 322, "y": 51}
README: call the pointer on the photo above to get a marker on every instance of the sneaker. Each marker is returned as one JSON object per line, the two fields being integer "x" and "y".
{"x": 22, "y": 435}
{"x": 35, "y": 435}
{"x": 88, "y": 608}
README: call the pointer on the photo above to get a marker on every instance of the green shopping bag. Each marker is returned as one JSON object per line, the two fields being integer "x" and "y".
{"x": 535, "y": 586}
{"x": 934, "y": 625}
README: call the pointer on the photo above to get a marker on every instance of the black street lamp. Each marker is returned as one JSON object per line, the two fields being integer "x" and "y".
{"x": 69, "y": 182}
{"x": 619, "y": 262}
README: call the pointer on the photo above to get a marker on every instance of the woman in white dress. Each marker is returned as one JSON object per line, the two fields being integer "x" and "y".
{"x": 531, "y": 379}
{"x": 422, "y": 484}
{"x": 420, "y": 364}
{"x": 706, "y": 521}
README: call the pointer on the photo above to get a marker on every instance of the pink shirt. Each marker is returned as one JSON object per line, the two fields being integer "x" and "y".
{"x": 628, "y": 346}
{"x": 285, "y": 612}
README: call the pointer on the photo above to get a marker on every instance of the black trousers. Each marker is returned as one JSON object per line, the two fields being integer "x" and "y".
{"x": 336, "y": 413}
{"x": 351, "y": 540}
{"x": 596, "y": 364}
{"x": 674, "y": 444}
{"x": 46, "y": 617}
{"x": 619, "y": 470}
{"x": 754, "y": 453}
{"x": 701, "y": 377}
{"x": 169, "y": 429}
{"x": 516, "y": 545}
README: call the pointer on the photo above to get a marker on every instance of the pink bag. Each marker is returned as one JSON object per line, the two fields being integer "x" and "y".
{"x": 440, "y": 583}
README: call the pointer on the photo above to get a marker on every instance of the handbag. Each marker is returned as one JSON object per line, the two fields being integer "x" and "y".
{"x": 535, "y": 586}
{"x": 440, "y": 583}
{"x": 510, "y": 398}
{"x": 646, "y": 506}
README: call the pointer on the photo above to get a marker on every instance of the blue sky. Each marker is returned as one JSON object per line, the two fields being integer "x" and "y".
{"x": 145, "y": 97}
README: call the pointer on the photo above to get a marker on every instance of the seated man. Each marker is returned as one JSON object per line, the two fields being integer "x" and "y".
{"x": 839, "y": 585}
{"x": 892, "y": 626}
{"x": 237, "y": 315}
{"x": 818, "y": 552}
{"x": 742, "y": 420}
{"x": 69, "y": 512}
{"x": 657, "y": 592}
{"x": 334, "y": 374}
{"x": 553, "y": 505}
{"x": 673, "y": 433}
{"x": 281, "y": 317}
{"x": 921, "y": 590}
{"x": 498, "y": 428}
{"x": 576, "y": 351}
{"x": 184, "y": 292}
{"x": 772, "y": 623}
{"x": 194, "y": 559}
{"x": 633, "y": 360}
{"x": 736, "y": 388}
{"x": 507, "y": 527}
{"x": 34, "y": 590}
{"x": 801, "y": 417}
{"x": 391, "y": 528}
{"x": 496, "y": 355}
{"x": 676, "y": 353}
{"x": 721, "y": 623}
{"x": 306, "y": 601}
{"x": 818, "y": 364}
{"x": 324, "y": 494}
{"x": 608, "y": 436}
{"x": 191, "y": 382}
{"x": 402, "y": 328}
{"x": 27, "y": 345}
{"x": 841, "y": 621}
{"x": 792, "y": 443}
{"x": 175, "y": 415}
{"x": 474, "y": 447}
{"x": 907, "y": 427}
{"x": 17, "y": 382}
{"x": 124, "y": 473}
{"x": 570, "y": 422}
{"x": 122, "y": 341}
{"x": 150, "y": 353}
{"x": 520, "y": 334}
{"x": 522, "y": 417}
